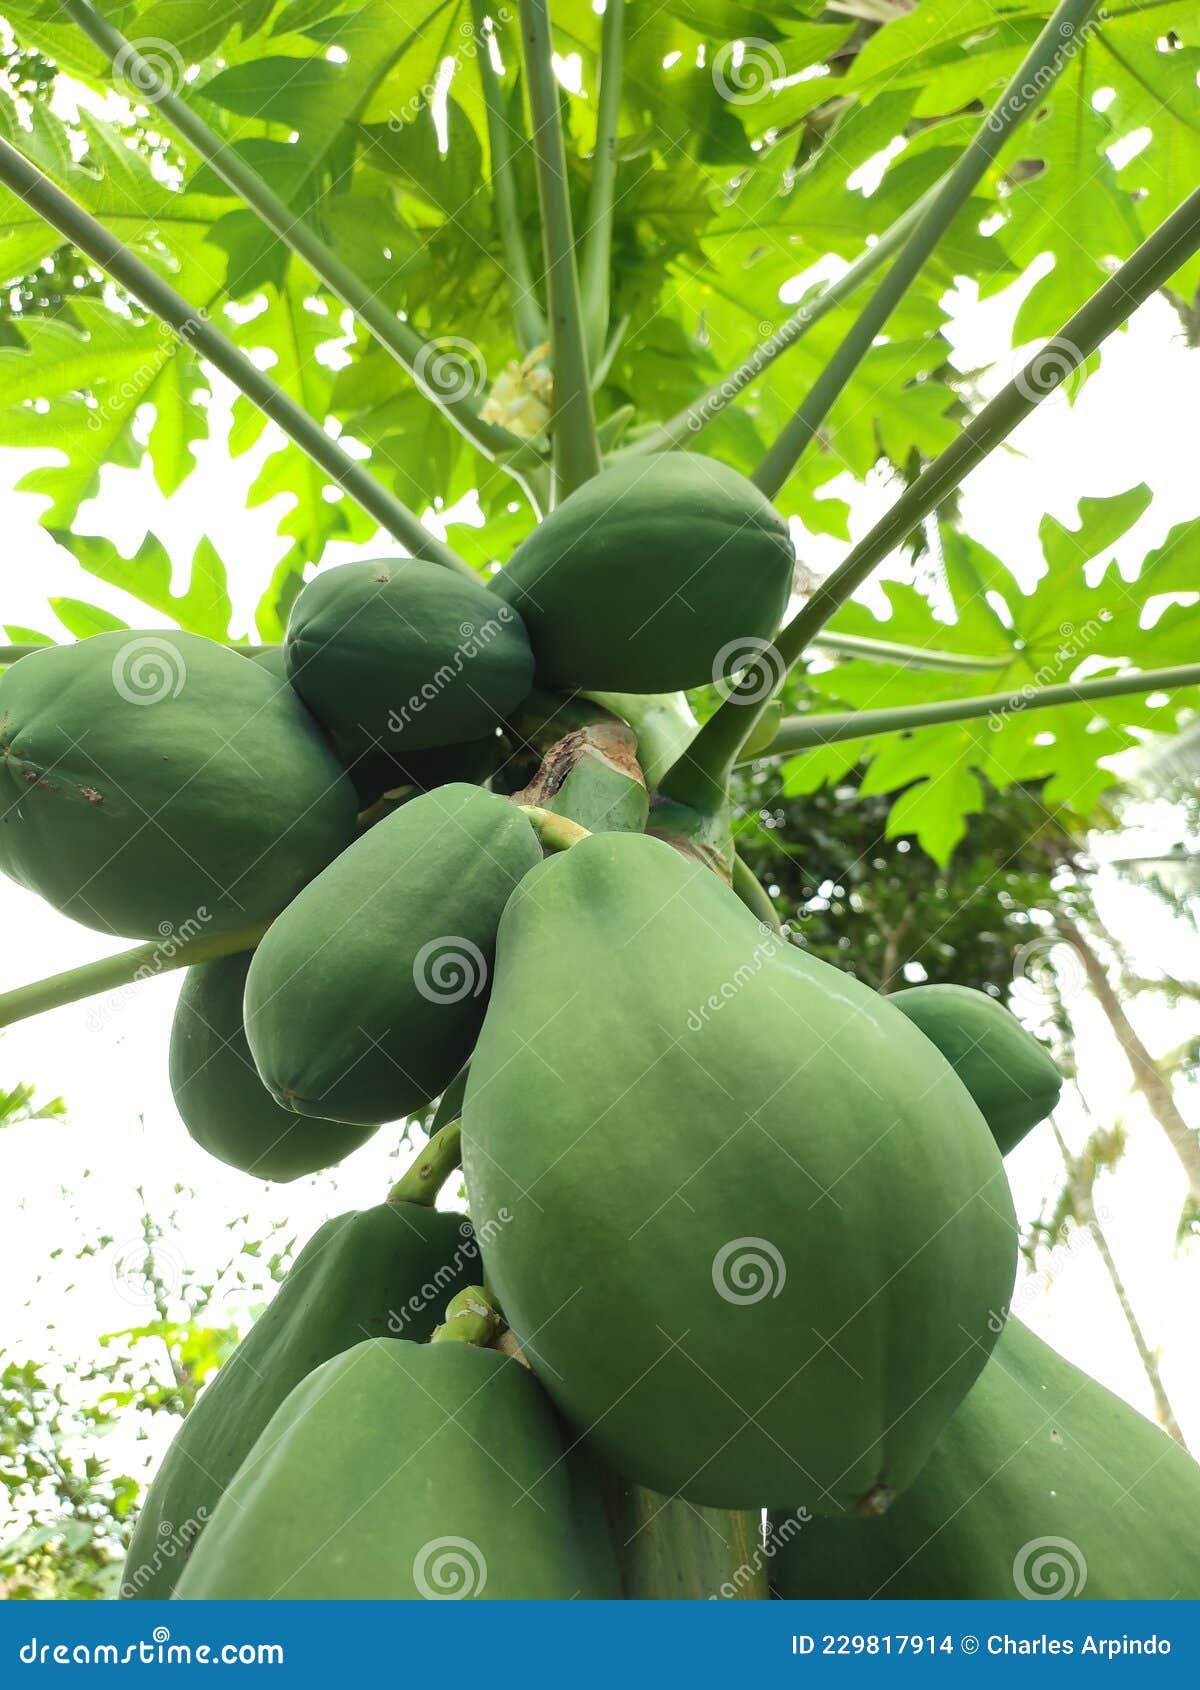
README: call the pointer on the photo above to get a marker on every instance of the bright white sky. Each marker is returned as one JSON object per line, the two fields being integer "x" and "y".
{"x": 63, "y": 1185}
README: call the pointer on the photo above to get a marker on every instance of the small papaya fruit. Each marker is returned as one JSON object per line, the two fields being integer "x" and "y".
{"x": 365, "y": 996}
{"x": 400, "y": 1471}
{"x": 158, "y": 781}
{"x": 1012, "y": 1078}
{"x": 400, "y": 655}
{"x": 221, "y": 1100}
{"x": 1043, "y": 1485}
{"x": 647, "y": 574}
{"x": 388, "y": 1269}
{"x": 734, "y": 1178}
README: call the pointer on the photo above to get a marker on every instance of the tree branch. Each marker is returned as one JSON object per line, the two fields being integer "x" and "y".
{"x": 1042, "y": 64}
{"x": 804, "y": 733}
{"x": 573, "y": 424}
{"x": 597, "y": 239}
{"x": 49, "y": 202}
{"x": 411, "y": 350}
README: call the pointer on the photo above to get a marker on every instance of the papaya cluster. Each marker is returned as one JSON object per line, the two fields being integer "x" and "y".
{"x": 746, "y": 1220}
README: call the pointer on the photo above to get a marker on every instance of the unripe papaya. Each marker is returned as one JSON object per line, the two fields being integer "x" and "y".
{"x": 365, "y": 996}
{"x": 383, "y": 1270}
{"x": 644, "y": 577}
{"x": 221, "y": 1100}
{"x": 1044, "y": 1484}
{"x": 402, "y": 1471}
{"x": 733, "y": 1178}
{"x": 158, "y": 781}
{"x": 399, "y": 656}
{"x": 1012, "y": 1078}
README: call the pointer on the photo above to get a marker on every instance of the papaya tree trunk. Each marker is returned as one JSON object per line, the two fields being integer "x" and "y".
{"x": 669, "y": 1550}
{"x": 1148, "y": 1078}
{"x": 1085, "y": 1211}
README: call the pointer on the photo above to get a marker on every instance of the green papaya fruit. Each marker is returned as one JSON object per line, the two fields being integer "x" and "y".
{"x": 1012, "y": 1078}
{"x": 400, "y": 1471}
{"x": 388, "y": 1269}
{"x": 1044, "y": 1484}
{"x": 400, "y": 655}
{"x": 158, "y": 783}
{"x": 365, "y": 996}
{"x": 733, "y": 1178}
{"x": 221, "y": 1100}
{"x": 646, "y": 577}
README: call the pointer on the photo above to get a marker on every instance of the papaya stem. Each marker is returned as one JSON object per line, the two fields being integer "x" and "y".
{"x": 472, "y": 1317}
{"x": 700, "y": 776}
{"x": 528, "y": 316}
{"x": 1025, "y": 92}
{"x": 557, "y": 833}
{"x": 438, "y": 1159}
{"x": 126, "y": 968}
{"x": 76, "y": 225}
{"x": 573, "y": 421}
{"x": 597, "y": 238}
{"x": 411, "y": 350}
{"x": 803, "y": 733}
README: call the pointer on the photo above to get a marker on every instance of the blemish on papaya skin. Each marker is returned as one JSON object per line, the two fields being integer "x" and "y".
{"x": 877, "y": 1501}
{"x": 92, "y": 796}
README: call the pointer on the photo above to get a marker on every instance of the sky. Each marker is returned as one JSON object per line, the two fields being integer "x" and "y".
{"x": 66, "y": 1184}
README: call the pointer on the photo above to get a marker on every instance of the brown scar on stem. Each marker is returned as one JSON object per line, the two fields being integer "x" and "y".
{"x": 613, "y": 743}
